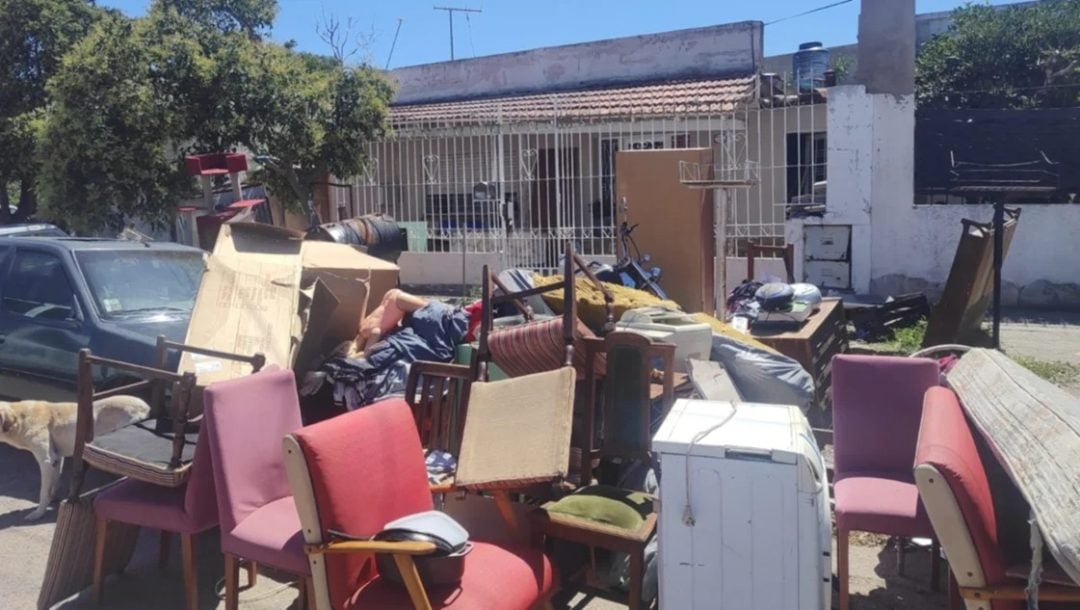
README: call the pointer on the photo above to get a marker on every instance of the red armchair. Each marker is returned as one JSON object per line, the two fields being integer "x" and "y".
{"x": 954, "y": 486}
{"x": 361, "y": 470}
{"x": 877, "y": 404}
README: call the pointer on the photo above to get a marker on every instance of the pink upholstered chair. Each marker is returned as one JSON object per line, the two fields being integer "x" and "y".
{"x": 187, "y": 510}
{"x": 357, "y": 472}
{"x": 246, "y": 419}
{"x": 955, "y": 488}
{"x": 877, "y": 404}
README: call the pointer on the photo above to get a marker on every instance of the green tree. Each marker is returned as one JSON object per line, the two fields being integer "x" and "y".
{"x": 108, "y": 146}
{"x": 1024, "y": 56}
{"x": 34, "y": 36}
{"x": 134, "y": 96}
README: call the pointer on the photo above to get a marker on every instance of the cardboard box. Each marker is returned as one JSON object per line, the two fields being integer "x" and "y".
{"x": 267, "y": 291}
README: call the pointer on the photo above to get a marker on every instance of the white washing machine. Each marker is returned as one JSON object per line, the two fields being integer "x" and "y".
{"x": 744, "y": 509}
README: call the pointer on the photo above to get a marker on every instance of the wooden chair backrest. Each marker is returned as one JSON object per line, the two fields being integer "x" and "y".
{"x": 439, "y": 397}
{"x": 490, "y": 300}
{"x": 754, "y": 249}
{"x": 154, "y": 381}
{"x": 622, "y": 349}
{"x": 579, "y": 264}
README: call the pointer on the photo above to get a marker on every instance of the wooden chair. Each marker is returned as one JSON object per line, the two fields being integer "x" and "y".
{"x": 754, "y": 249}
{"x": 438, "y": 395}
{"x": 324, "y": 462}
{"x": 535, "y": 346}
{"x": 527, "y": 312}
{"x": 186, "y": 508}
{"x": 965, "y": 511}
{"x": 160, "y": 449}
{"x": 625, "y": 432}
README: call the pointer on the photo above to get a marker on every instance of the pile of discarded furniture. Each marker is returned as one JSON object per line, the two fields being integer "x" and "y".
{"x": 615, "y": 444}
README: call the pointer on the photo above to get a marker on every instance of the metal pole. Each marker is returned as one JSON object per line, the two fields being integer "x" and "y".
{"x": 720, "y": 210}
{"x": 450, "y": 11}
{"x": 999, "y": 239}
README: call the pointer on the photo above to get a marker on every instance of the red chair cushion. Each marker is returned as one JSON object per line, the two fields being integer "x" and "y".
{"x": 495, "y": 577}
{"x": 880, "y": 505}
{"x": 367, "y": 469}
{"x": 946, "y": 442}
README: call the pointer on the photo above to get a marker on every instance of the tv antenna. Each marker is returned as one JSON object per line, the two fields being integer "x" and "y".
{"x": 450, "y": 10}
{"x": 393, "y": 45}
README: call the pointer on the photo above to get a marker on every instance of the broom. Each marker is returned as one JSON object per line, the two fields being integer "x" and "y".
{"x": 70, "y": 568}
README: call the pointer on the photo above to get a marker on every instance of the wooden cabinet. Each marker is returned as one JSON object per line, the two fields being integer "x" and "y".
{"x": 822, "y": 336}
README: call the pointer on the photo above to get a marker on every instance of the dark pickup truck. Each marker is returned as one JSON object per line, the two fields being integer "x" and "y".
{"x": 59, "y": 295}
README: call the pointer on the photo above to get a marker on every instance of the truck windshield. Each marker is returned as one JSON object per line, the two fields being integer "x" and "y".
{"x": 141, "y": 282}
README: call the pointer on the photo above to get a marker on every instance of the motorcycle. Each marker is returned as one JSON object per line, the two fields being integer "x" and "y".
{"x": 630, "y": 270}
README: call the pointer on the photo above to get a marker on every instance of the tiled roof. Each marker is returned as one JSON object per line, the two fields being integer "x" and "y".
{"x": 680, "y": 97}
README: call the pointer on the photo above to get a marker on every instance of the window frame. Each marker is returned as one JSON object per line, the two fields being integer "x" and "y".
{"x": 9, "y": 260}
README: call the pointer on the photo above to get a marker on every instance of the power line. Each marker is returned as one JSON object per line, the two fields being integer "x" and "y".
{"x": 450, "y": 10}
{"x": 468, "y": 22}
{"x": 809, "y": 12}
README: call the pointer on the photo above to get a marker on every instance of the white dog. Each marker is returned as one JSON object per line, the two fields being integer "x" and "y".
{"x": 47, "y": 430}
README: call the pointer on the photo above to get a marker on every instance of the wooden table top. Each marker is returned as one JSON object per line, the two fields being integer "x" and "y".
{"x": 808, "y": 328}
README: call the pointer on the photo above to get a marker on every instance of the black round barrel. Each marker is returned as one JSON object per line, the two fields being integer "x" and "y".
{"x": 379, "y": 235}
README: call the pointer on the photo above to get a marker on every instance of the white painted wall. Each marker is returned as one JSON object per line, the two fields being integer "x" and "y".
{"x": 900, "y": 247}
{"x": 1042, "y": 251}
{"x": 444, "y": 268}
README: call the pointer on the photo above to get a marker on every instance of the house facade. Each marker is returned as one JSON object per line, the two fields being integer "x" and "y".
{"x": 501, "y": 159}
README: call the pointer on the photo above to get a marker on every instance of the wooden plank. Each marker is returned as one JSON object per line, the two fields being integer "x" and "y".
{"x": 1033, "y": 427}
{"x": 967, "y": 289}
{"x": 712, "y": 382}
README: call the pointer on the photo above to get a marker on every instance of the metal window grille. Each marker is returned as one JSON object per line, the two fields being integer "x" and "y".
{"x": 521, "y": 188}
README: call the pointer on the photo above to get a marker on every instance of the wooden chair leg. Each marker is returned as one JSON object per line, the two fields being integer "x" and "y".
{"x": 164, "y": 547}
{"x": 191, "y": 585}
{"x": 102, "y": 536}
{"x": 252, "y": 572}
{"x": 232, "y": 584}
{"x": 637, "y": 573}
{"x": 842, "y": 567}
{"x": 935, "y": 565}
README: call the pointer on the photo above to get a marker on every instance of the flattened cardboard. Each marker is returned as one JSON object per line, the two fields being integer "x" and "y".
{"x": 266, "y": 290}
{"x": 357, "y": 280}
{"x": 247, "y": 302}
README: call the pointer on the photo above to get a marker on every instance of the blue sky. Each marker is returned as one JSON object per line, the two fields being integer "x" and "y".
{"x": 514, "y": 25}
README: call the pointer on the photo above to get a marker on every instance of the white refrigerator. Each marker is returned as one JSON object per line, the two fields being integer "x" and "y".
{"x": 744, "y": 509}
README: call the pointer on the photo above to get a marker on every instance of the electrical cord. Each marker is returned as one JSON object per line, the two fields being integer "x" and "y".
{"x": 688, "y": 511}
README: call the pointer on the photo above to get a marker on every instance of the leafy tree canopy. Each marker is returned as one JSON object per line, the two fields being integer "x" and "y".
{"x": 130, "y": 97}
{"x": 34, "y": 36}
{"x": 1024, "y": 56}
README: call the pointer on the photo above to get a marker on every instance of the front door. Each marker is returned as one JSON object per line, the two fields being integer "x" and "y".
{"x": 555, "y": 196}
{"x": 41, "y": 329}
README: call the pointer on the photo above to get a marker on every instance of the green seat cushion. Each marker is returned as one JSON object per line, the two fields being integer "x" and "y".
{"x": 621, "y": 508}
